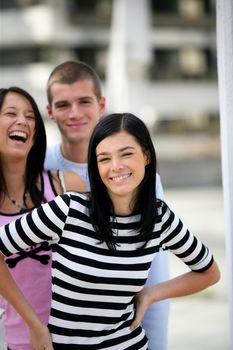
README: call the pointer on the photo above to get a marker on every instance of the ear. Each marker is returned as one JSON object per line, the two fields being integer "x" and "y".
{"x": 147, "y": 157}
{"x": 102, "y": 105}
{"x": 50, "y": 113}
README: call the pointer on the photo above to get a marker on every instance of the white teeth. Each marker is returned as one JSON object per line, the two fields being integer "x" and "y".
{"x": 120, "y": 178}
{"x": 20, "y": 134}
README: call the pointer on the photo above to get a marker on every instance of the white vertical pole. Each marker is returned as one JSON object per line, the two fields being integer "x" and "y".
{"x": 129, "y": 51}
{"x": 224, "y": 11}
{"x": 117, "y": 76}
{"x": 138, "y": 31}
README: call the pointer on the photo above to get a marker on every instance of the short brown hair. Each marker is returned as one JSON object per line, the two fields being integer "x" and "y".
{"x": 71, "y": 71}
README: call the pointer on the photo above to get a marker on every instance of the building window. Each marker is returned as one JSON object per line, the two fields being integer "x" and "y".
{"x": 95, "y": 57}
{"x": 166, "y": 64}
{"x": 12, "y": 4}
{"x": 184, "y": 63}
{"x": 189, "y": 7}
{"x": 89, "y": 11}
{"x": 167, "y": 13}
{"x": 164, "y": 6}
{"x": 20, "y": 56}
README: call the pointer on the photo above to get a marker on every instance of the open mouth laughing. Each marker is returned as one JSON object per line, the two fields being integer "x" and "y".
{"x": 19, "y": 136}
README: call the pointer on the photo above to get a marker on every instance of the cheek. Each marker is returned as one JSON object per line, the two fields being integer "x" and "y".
{"x": 103, "y": 173}
{"x": 33, "y": 133}
{"x": 2, "y": 145}
{"x": 141, "y": 173}
{"x": 93, "y": 114}
{"x": 60, "y": 114}
{"x": 59, "y": 117}
{"x": 141, "y": 168}
{"x": 33, "y": 129}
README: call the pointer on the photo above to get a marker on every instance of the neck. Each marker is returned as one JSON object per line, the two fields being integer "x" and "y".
{"x": 15, "y": 199}
{"x": 14, "y": 173}
{"x": 122, "y": 206}
{"x": 75, "y": 152}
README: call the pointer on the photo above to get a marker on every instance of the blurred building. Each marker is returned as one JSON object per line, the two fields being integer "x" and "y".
{"x": 156, "y": 58}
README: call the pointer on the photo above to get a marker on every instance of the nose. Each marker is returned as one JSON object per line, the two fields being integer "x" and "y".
{"x": 21, "y": 119}
{"x": 74, "y": 111}
{"x": 116, "y": 165}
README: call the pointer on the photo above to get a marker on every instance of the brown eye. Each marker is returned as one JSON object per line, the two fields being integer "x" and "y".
{"x": 30, "y": 117}
{"x": 62, "y": 105}
{"x": 127, "y": 154}
{"x": 10, "y": 114}
{"x": 103, "y": 160}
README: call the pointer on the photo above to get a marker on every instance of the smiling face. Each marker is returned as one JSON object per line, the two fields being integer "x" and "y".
{"x": 121, "y": 164}
{"x": 17, "y": 126}
{"x": 76, "y": 109}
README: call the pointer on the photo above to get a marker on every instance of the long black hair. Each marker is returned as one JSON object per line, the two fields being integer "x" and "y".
{"x": 36, "y": 156}
{"x": 101, "y": 207}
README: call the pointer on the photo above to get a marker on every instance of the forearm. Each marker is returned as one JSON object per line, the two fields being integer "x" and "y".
{"x": 10, "y": 291}
{"x": 185, "y": 284}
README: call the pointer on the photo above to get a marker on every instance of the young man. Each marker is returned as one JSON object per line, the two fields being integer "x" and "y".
{"x": 75, "y": 104}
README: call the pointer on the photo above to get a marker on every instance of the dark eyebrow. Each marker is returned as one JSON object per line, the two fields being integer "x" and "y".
{"x": 79, "y": 99}
{"x": 9, "y": 107}
{"x": 86, "y": 98}
{"x": 15, "y": 108}
{"x": 60, "y": 101}
{"x": 120, "y": 150}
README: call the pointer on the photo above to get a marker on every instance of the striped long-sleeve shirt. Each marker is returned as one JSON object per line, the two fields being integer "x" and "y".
{"x": 94, "y": 287}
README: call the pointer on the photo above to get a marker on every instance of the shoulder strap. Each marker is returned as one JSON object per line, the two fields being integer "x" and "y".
{"x": 60, "y": 176}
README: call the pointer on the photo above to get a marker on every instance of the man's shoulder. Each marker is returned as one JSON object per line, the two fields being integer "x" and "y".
{"x": 52, "y": 156}
{"x": 159, "y": 187}
{"x": 53, "y": 147}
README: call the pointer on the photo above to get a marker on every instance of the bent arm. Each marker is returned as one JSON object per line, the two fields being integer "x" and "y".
{"x": 74, "y": 182}
{"x": 67, "y": 181}
{"x": 10, "y": 291}
{"x": 43, "y": 223}
{"x": 183, "y": 285}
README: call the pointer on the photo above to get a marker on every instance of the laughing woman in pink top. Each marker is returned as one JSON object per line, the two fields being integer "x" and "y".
{"x": 23, "y": 186}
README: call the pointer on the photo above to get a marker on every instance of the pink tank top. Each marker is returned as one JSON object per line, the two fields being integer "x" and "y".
{"x": 31, "y": 270}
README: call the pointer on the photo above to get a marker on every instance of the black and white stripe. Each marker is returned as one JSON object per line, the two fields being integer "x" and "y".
{"x": 94, "y": 287}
